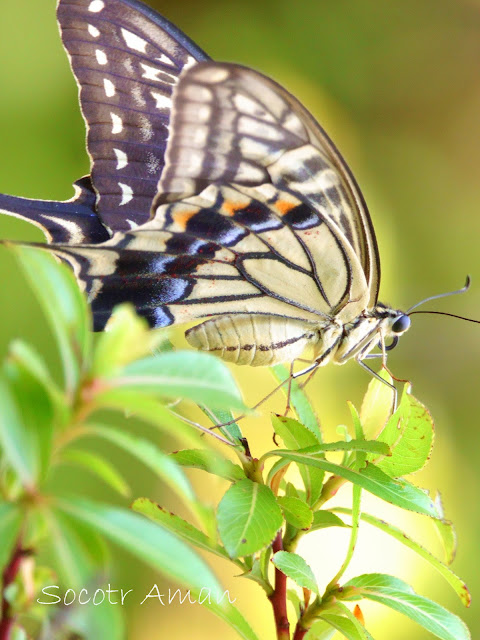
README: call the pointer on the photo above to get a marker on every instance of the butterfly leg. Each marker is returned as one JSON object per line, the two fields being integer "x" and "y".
{"x": 264, "y": 399}
{"x": 204, "y": 430}
{"x": 307, "y": 380}
{"x": 289, "y": 389}
{"x": 291, "y": 377}
{"x": 376, "y": 375}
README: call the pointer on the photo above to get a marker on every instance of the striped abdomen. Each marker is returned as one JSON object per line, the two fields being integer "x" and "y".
{"x": 256, "y": 340}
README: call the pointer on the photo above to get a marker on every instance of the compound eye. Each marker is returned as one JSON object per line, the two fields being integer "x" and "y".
{"x": 401, "y": 324}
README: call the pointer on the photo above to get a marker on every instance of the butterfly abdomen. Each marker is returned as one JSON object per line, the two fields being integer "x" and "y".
{"x": 256, "y": 340}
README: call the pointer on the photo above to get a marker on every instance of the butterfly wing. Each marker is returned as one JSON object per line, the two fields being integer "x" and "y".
{"x": 74, "y": 221}
{"x": 255, "y": 211}
{"x": 230, "y": 250}
{"x": 232, "y": 124}
{"x": 126, "y": 60}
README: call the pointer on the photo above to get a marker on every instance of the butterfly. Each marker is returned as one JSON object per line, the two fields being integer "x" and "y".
{"x": 214, "y": 195}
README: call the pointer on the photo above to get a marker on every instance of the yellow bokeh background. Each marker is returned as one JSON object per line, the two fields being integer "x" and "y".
{"x": 397, "y": 86}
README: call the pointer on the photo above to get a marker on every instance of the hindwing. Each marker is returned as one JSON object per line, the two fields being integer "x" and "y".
{"x": 232, "y": 249}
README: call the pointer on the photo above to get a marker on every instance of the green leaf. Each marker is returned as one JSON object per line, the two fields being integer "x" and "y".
{"x": 323, "y": 519}
{"x": 18, "y": 633}
{"x": 232, "y": 616}
{"x": 279, "y": 467}
{"x": 377, "y": 405}
{"x": 25, "y": 356}
{"x": 358, "y": 457}
{"x": 10, "y": 523}
{"x": 69, "y": 317}
{"x": 295, "y": 567}
{"x": 399, "y": 492}
{"x": 74, "y": 548}
{"x": 177, "y": 525}
{"x": 25, "y": 423}
{"x": 409, "y": 434}
{"x": 299, "y": 401}
{"x": 99, "y": 621}
{"x": 360, "y": 630}
{"x": 14, "y": 436}
{"x": 153, "y": 458}
{"x": 38, "y": 413}
{"x": 345, "y": 626}
{"x": 446, "y": 531}
{"x": 150, "y": 410}
{"x": 209, "y": 460}
{"x": 98, "y": 466}
{"x": 219, "y": 416}
{"x": 192, "y": 375}
{"x": 161, "y": 550}
{"x": 320, "y": 630}
{"x": 296, "y": 436}
{"x": 297, "y": 603}
{"x": 296, "y": 512}
{"x": 453, "y": 580}
{"x": 165, "y": 344}
{"x": 126, "y": 338}
{"x": 157, "y": 547}
{"x": 356, "y": 500}
{"x": 355, "y": 445}
{"x": 255, "y": 572}
{"x": 248, "y": 518}
{"x": 398, "y": 595}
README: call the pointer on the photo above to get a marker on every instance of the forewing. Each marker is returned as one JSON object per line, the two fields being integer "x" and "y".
{"x": 231, "y": 124}
{"x": 126, "y": 59}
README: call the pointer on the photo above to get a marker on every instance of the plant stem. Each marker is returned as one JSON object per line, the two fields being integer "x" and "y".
{"x": 279, "y": 596}
{"x": 330, "y": 488}
{"x": 300, "y": 632}
{"x": 9, "y": 574}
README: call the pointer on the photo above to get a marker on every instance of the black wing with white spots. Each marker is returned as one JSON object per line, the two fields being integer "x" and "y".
{"x": 126, "y": 59}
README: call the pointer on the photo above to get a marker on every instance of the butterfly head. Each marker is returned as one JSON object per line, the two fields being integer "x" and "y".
{"x": 391, "y": 322}
{"x": 399, "y": 323}
{"x": 395, "y": 326}
{"x": 387, "y": 325}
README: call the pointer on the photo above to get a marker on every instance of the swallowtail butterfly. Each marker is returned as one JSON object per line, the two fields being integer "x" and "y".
{"x": 213, "y": 195}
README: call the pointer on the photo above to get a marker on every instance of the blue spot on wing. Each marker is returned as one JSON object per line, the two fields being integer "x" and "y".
{"x": 302, "y": 217}
{"x": 209, "y": 224}
{"x": 258, "y": 218}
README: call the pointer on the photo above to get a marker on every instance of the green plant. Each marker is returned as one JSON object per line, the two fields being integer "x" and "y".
{"x": 257, "y": 523}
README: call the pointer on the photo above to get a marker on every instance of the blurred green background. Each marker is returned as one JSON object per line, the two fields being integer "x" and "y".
{"x": 397, "y": 86}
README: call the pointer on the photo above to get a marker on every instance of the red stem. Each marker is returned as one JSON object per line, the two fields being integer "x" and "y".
{"x": 279, "y": 596}
{"x": 9, "y": 574}
{"x": 299, "y": 632}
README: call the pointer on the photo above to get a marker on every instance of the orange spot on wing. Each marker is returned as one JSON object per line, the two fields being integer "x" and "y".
{"x": 230, "y": 207}
{"x": 284, "y": 206}
{"x": 182, "y": 217}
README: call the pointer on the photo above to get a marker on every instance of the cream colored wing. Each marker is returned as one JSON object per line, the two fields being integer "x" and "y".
{"x": 231, "y": 124}
{"x": 231, "y": 250}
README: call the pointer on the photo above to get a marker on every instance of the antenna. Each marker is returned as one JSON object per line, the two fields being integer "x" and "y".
{"x": 465, "y": 288}
{"x": 443, "y": 313}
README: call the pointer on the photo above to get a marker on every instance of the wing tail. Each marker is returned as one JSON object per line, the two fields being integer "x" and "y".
{"x": 71, "y": 222}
